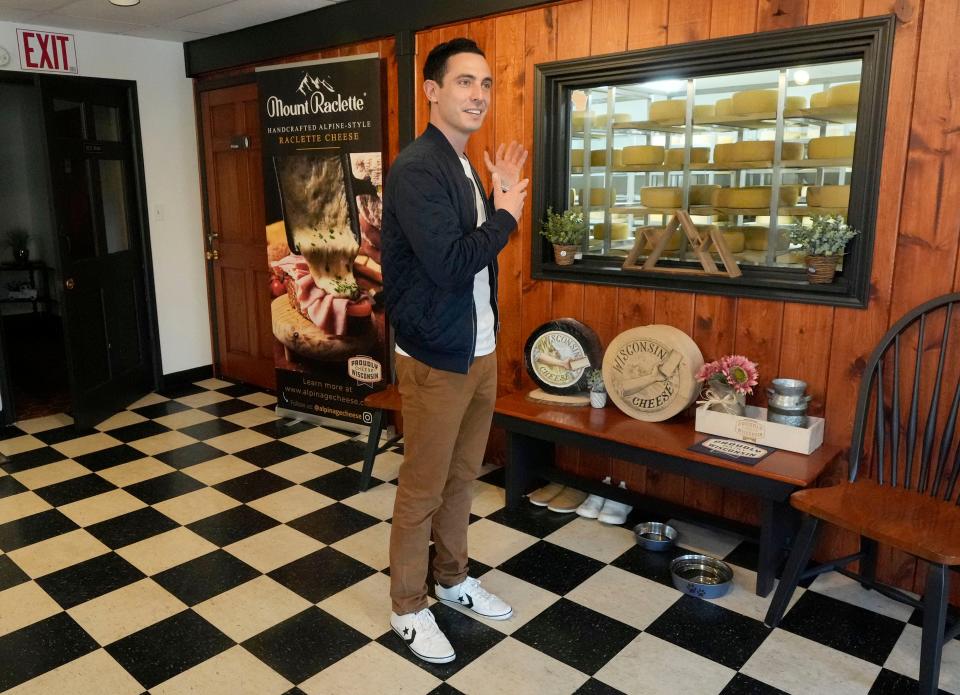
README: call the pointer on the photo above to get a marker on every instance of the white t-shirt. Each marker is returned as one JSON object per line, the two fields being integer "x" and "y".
{"x": 486, "y": 324}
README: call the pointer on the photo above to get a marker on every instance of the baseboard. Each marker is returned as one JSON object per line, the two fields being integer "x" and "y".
{"x": 187, "y": 376}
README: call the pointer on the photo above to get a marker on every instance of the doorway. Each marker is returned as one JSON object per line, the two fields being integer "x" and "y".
{"x": 77, "y": 318}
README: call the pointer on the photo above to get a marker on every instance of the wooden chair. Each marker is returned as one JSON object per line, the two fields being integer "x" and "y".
{"x": 383, "y": 401}
{"x": 902, "y": 488}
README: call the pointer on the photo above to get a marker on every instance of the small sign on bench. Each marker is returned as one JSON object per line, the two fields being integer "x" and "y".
{"x": 732, "y": 450}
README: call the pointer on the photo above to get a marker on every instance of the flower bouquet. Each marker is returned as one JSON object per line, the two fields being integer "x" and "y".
{"x": 727, "y": 382}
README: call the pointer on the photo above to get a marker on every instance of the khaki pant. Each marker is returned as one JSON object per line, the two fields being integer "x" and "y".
{"x": 446, "y": 423}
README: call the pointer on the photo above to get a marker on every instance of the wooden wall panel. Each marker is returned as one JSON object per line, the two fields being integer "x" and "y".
{"x": 916, "y": 244}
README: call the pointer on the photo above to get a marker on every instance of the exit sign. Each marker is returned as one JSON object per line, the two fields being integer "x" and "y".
{"x": 47, "y": 51}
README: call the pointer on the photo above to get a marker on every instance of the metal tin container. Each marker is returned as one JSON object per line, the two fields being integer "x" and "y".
{"x": 653, "y": 535}
{"x": 701, "y": 576}
{"x": 789, "y": 387}
{"x": 787, "y": 402}
{"x": 796, "y": 417}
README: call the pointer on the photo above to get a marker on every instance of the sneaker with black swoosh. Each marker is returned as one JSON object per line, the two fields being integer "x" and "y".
{"x": 469, "y": 594}
{"x": 423, "y": 636}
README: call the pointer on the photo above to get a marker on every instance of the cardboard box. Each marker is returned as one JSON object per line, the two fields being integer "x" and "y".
{"x": 756, "y": 429}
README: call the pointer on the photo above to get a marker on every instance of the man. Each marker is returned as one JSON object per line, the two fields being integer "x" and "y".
{"x": 441, "y": 237}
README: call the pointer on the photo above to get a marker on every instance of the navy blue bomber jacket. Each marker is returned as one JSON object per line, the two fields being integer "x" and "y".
{"x": 431, "y": 250}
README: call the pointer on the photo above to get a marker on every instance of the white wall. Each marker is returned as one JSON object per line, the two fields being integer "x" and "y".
{"x": 169, "y": 136}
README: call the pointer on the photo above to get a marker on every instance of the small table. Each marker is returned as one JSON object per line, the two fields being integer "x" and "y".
{"x": 534, "y": 429}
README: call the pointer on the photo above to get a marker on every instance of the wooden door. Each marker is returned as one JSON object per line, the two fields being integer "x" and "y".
{"x": 92, "y": 145}
{"x": 236, "y": 240}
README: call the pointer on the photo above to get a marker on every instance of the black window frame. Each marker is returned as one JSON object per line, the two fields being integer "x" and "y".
{"x": 868, "y": 40}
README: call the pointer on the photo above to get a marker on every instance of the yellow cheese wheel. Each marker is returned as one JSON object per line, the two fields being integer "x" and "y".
{"x": 598, "y": 158}
{"x": 643, "y": 154}
{"x": 576, "y": 158}
{"x": 754, "y": 196}
{"x": 601, "y": 119}
{"x": 723, "y": 107}
{"x": 794, "y": 104}
{"x": 668, "y": 110}
{"x": 755, "y": 151}
{"x": 723, "y": 152}
{"x": 844, "y": 94}
{"x": 672, "y": 245}
{"x": 828, "y": 196}
{"x": 698, "y": 155}
{"x": 831, "y": 146}
{"x": 599, "y": 197}
{"x": 818, "y": 100}
{"x": 618, "y": 230}
{"x": 704, "y": 112}
{"x": 704, "y": 194}
{"x": 659, "y": 197}
{"x": 734, "y": 239}
{"x": 755, "y": 101}
{"x": 577, "y": 121}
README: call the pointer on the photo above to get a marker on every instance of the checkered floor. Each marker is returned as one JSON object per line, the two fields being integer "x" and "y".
{"x": 195, "y": 543}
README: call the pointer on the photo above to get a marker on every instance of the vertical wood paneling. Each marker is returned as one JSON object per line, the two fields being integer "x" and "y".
{"x": 732, "y": 17}
{"x": 822, "y": 11}
{"x": 781, "y": 14}
{"x": 689, "y": 20}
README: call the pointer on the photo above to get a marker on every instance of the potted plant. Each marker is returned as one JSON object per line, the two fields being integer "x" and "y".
{"x": 566, "y": 231}
{"x": 824, "y": 241}
{"x": 17, "y": 240}
{"x": 727, "y": 382}
{"x": 598, "y": 392}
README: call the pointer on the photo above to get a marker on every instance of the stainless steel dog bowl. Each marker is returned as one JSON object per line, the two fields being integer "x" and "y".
{"x": 701, "y": 575}
{"x": 653, "y": 535}
{"x": 789, "y": 387}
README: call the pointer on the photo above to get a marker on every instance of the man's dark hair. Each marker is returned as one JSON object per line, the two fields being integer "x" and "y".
{"x": 436, "y": 66}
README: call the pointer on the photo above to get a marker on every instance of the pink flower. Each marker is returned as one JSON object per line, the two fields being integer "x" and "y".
{"x": 734, "y": 371}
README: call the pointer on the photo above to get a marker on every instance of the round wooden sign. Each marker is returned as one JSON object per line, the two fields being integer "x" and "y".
{"x": 649, "y": 371}
{"x": 558, "y": 354}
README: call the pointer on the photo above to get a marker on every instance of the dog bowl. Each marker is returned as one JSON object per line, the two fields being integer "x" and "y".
{"x": 789, "y": 387}
{"x": 701, "y": 576}
{"x": 655, "y": 536}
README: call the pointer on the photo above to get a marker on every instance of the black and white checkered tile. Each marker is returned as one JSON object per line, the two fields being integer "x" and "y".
{"x": 194, "y": 543}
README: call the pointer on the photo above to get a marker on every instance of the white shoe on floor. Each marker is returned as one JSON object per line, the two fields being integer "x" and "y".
{"x": 470, "y": 594}
{"x": 591, "y": 507}
{"x": 423, "y": 636}
{"x": 614, "y": 512}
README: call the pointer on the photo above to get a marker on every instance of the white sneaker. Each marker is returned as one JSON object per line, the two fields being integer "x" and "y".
{"x": 591, "y": 507}
{"x": 423, "y": 636}
{"x": 614, "y": 512}
{"x": 470, "y": 594}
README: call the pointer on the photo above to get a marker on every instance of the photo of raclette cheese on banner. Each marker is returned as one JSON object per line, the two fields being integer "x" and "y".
{"x": 325, "y": 255}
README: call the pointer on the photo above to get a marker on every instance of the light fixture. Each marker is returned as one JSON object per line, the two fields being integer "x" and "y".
{"x": 801, "y": 77}
{"x": 124, "y": 3}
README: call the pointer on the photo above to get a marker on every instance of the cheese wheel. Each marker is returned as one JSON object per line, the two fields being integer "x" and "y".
{"x": 831, "y": 146}
{"x": 755, "y": 237}
{"x": 650, "y": 372}
{"x": 828, "y": 196}
{"x": 722, "y": 152}
{"x": 818, "y": 100}
{"x": 703, "y": 112}
{"x": 578, "y": 120}
{"x": 668, "y": 110}
{"x": 734, "y": 239}
{"x": 618, "y": 230}
{"x": 698, "y": 155}
{"x": 672, "y": 245}
{"x": 601, "y": 119}
{"x": 659, "y": 197}
{"x": 643, "y": 154}
{"x": 723, "y": 107}
{"x": 755, "y": 101}
{"x": 794, "y": 104}
{"x": 704, "y": 194}
{"x": 599, "y": 197}
{"x": 791, "y": 150}
{"x": 576, "y": 158}
{"x": 844, "y": 95}
{"x": 754, "y": 196}
{"x": 755, "y": 151}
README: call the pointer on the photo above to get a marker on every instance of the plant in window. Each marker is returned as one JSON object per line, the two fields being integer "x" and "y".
{"x": 566, "y": 231}
{"x": 824, "y": 240}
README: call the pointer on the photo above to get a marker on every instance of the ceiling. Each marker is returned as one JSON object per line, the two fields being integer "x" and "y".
{"x": 168, "y": 20}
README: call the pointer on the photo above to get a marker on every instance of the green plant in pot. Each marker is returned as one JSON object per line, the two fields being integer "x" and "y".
{"x": 824, "y": 240}
{"x": 17, "y": 240}
{"x": 598, "y": 391}
{"x": 566, "y": 231}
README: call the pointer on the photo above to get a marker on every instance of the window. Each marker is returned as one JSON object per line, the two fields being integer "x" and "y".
{"x": 749, "y": 135}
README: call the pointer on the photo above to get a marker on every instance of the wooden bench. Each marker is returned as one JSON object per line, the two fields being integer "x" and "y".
{"x": 534, "y": 429}
{"x": 387, "y": 400}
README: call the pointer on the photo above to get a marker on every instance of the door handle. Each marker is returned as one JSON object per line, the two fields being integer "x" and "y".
{"x": 213, "y": 255}
{"x": 70, "y": 283}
